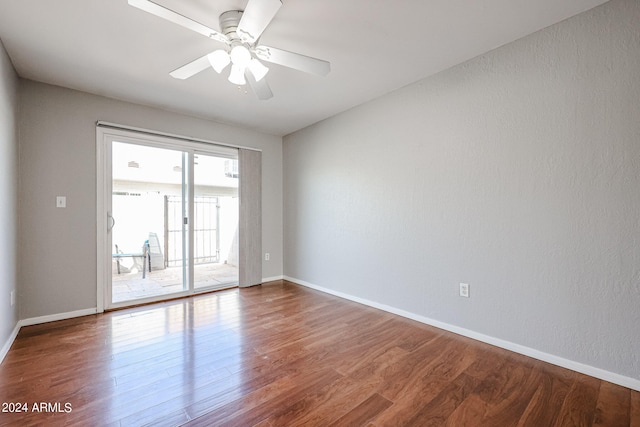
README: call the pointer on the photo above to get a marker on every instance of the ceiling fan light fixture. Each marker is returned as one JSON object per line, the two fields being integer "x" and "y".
{"x": 219, "y": 60}
{"x": 240, "y": 32}
{"x": 240, "y": 56}
{"x": 237, "y": 75}
{"x": 258, "y": 69}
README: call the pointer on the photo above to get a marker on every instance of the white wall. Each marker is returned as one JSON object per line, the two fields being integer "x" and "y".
{"x": 58, "y": 157}
{"x": 8, "y": 189}
{"x": 517, "y": 172}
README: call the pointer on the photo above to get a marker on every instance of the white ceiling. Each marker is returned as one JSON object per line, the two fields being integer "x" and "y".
{"x": 109, "y": 48}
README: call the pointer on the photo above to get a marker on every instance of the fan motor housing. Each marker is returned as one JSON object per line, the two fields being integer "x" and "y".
{"x": 229, "y": 23}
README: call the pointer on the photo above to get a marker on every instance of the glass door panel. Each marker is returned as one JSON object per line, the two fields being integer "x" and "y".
{"x": 215, "y": 225}
{"x": 149, "y": 197}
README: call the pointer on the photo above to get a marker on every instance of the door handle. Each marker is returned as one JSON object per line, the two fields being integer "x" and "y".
{"x": 111, "y": 222}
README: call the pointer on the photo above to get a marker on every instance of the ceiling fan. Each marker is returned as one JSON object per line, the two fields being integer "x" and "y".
{"x": 240, "y": 32}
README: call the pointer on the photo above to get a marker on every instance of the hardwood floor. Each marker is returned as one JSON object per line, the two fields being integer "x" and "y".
{"x": 283, "y": 355}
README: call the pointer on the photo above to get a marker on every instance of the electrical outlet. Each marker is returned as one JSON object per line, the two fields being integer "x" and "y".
{"x": 13, "y": 298}
{"x": 267, "y": 256}
{"x": 464, "y": 290}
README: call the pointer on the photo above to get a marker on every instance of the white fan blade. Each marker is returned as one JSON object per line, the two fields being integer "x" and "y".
{"x": 255, "y": 18}
{"x": 176, "y": 18}
{"x": 191, "y": 69}
{"x": 260, "y": 88}
{"x": 293, "y": 60}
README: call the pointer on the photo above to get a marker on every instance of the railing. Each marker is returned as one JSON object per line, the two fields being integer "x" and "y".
{"x": 206, "y": 239}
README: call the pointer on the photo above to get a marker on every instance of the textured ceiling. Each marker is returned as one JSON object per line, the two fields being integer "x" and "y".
{"x": 109, "y": 48}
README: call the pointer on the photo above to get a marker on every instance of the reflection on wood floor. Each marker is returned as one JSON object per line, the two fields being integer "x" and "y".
{"x": 130, "y": 285}
{"x": 283, "y": 355}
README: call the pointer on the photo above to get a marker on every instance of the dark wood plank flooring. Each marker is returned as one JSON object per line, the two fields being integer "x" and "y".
{"x": 283, "y": 355}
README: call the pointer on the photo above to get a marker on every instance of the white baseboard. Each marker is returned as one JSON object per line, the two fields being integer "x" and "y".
{"x": 602, "y": 374}
{"x": 59, "y": 316}
{"x": 37, "y": 321}
{"x": 272, "y": 279}
{"x": 7, "y": 345}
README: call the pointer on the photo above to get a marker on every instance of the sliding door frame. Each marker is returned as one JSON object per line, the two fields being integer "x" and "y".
{"x": 106, "y": 134}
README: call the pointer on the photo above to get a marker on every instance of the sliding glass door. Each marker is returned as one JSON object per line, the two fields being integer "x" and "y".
{"x": 172, "y": 218}
{"x": 215, "y": 221}
{"x": 143, "y": 179}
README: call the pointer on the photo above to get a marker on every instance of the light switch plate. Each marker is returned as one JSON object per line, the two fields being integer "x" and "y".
{"x": 464, "y": 290}
{"x": 61, "y": 202}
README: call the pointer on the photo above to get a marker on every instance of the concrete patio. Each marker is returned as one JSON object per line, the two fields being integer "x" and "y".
{"x": 129, "y": 286}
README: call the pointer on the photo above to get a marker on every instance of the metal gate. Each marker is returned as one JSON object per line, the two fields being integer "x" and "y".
{"x": 206, "y": 238}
